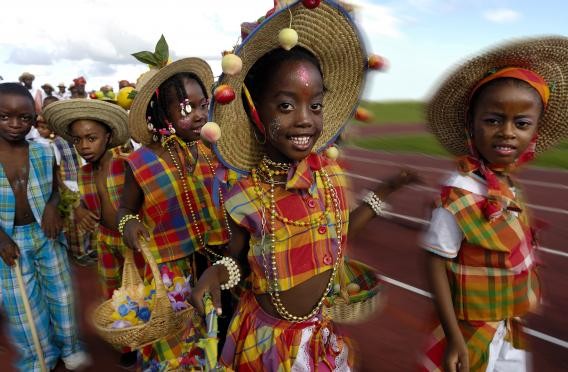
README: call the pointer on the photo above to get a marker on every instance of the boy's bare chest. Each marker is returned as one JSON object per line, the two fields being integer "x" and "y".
{"x": 16, "y": 169}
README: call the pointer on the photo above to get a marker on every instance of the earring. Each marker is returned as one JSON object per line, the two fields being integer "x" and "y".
{"x": 171, "y": 129}
{"x": 256, "y": 137}
{"x": 185, "y": 108}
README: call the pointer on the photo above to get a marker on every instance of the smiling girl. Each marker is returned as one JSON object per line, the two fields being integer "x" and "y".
{"x": 290, "y": 214}
{"x": 169, "y": 187}
{"x": 494, "y": 112}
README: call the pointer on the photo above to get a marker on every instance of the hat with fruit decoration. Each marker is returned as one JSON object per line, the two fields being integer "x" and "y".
{"x": 324, "y": 28}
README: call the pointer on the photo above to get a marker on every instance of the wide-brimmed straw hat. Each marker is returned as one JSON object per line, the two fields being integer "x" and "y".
{"x": 61, "y": 114}
{"x": 547, "y": 56}
{"x": 26, "y": 75}
{"x": 148, "y": 83}
{"x": 329, "y": 33}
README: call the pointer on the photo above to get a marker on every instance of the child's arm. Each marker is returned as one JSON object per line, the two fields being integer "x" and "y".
{"x": 456, "y": 355}
{"x": 51, "y": 223}
{"x": 9, "y": 250}
{"x": 85, "y": 219}
{"x": 360, "y": 216}
{"x": 131, "y": 201}
{"x": 212, "y": 278}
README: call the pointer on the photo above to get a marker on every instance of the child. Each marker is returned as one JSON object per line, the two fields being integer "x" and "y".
{"x": 290, "y": 213}
{"x": 492, "y": 112}
{"x": 30, "y": 228}
{"x": 169, "y": 186}
{"x": 97, "y": 130}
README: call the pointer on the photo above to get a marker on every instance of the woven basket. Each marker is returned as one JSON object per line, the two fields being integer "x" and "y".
{"x": 164, "y": 321}
{"x": 359, "y": 307}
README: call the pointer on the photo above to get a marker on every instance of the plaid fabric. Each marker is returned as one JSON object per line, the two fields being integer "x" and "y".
{"x": 78, "y": 242}
{"x": 110, "y": 251}
{"x": 69, "y": 167}
{"x": 478, "y": 336}
{"x": 114, "y": 182}
{"x": 301, "y": 252}
{"x": 165, "y": 210}
{"x": 40, "y": 183}
{"x": 493, "y": 276}
{"x": 179, "y": 349}
{"x": 259, "y": 342}
{"x": 46, "y": 275}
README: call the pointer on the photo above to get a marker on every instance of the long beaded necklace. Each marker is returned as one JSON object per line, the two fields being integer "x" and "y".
{"x": 182, "y": 175}
{"x": 331, "y": 199}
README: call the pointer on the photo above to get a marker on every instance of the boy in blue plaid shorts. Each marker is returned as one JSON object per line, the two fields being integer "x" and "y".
{"x": 30, "y": 232}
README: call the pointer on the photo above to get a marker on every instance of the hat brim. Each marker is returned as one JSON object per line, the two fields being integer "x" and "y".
{"x": 329, "y": 33}
{"x": 147, "y": 85}
{"x": 61, "y": 114}
{"x": 547, "y": 56}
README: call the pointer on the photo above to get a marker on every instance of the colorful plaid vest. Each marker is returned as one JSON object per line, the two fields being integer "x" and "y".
{"x": 165, "y": 212}
{"x": 114, "y": 182}
{"x": 40, "y": 184}
{"x": 301, "y": 252}
{"x": 493, "y": 276}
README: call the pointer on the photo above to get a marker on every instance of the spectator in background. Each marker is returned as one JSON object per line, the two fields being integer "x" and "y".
{"x": 79, "y": 84}
{"x": 62, "y": 93}
{"x": 27, "y": 80}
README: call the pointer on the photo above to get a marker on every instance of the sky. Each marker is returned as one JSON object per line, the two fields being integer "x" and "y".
{"x": 421, "y": 39}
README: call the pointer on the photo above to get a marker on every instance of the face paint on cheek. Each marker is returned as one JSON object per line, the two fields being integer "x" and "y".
{"x": 274, "y": 130}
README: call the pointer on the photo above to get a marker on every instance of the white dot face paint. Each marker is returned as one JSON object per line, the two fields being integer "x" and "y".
{"x": 274, "y": 130}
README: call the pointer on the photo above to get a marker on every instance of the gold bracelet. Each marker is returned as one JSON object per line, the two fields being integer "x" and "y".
{"x": 124, "y": 220}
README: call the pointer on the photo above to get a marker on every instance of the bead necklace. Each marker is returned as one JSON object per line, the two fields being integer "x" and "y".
{"x": 187, "y": 198}
{"x": 331, "y": 194}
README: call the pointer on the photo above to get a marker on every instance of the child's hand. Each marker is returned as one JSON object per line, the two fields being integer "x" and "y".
{"x": 133, "y": 230}
{"x": 403, "y": 178}
{"x": 51, "y": 222}
{"x": 85, "y": 219}
{"x": 456, "y": 356}
{"x": 208, "y": 283}
{"x": 9, "y": 251}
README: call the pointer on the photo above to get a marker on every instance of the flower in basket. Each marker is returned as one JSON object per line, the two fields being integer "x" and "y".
{"x": 132, "y": 305}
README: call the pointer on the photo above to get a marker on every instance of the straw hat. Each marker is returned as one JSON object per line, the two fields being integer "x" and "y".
{"x": 61, "y": 85}
{"x": 47, "y": 85}
{"x": 148, "y": 83}
{"x": 26, "y": 75}
{"x": 331, "y": 36}
{"x": 59, "y": 115}
{"x": 546, "y": 56}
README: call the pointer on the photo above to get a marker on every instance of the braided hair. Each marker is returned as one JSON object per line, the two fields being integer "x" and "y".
{"x": 157, "y": 107}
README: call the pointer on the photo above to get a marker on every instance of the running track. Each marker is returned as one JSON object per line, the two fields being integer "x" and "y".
{"x": 393, "y": 339}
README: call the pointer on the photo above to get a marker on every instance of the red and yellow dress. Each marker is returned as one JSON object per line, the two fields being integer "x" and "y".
{"x": 177, "y": 230}
{"x": 257, "y": 340}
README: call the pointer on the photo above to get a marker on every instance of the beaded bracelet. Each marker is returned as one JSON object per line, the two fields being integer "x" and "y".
{"x": 124, "y": 220}
{"x": 234, "y": 272}
{"x": 377, "y": 205}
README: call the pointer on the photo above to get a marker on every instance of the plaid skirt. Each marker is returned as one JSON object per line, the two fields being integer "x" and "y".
{"x": 257, "y": 341}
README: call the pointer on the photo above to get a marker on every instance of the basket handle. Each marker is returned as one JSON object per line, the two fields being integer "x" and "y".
{"x": 343, "y": 280}
{"x": 130, "y": 273}
{"x": 160, "y": 289}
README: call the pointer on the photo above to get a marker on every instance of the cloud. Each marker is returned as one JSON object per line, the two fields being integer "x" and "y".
{"x": 378, "y": 20}
{"x": 501, "y": 15}
{"x": 29, "y": 56}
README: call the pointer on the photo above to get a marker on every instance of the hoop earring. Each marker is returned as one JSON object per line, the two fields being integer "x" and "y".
{"x": 256, "y": 137}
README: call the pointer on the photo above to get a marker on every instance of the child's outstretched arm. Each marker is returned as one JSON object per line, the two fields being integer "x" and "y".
{"x": 360, "y": 216}
{"x": 9, "y": 250}
{"x": 456, "y": 355}
{"x": 128, "y": 222}
{"x": 51, "y": 222}
{"x": 212, "y": 278}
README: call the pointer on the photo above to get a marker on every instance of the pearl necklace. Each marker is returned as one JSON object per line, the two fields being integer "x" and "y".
{"x": 185, "y": 189}
{"x": 273, "y": 290}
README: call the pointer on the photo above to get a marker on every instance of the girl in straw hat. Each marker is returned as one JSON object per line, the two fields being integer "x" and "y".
{"x": 171, "y": 196}
{"x": 97, "y": 131}
{"x": 493, "y": 112}
{"x": 290, "y": 214}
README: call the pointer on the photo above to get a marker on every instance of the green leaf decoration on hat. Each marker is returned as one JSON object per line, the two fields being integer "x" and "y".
{"x": 157, "y": 59}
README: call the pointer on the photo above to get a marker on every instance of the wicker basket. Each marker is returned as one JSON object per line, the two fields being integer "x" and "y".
{"x": 164, "y": 321}
{"x": 359, "y": 307}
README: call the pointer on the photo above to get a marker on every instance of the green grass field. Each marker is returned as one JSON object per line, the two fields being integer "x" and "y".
{"x": 427, "y": 144}
{"x": 396, "y": 112}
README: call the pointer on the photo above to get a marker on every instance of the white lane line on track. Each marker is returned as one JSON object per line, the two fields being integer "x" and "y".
{"x": 427, "y": 188}
{"x": 421, "y": 292}
{"x": 438, "y": 170}
{"x": 426, "y": 222}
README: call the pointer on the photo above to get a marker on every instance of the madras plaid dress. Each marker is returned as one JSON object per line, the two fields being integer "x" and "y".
{"x": 493, "y": 278}
{"x": 173, "y": 238}
{"x": 45, "y": 271}
{"x": 257, "y": 341}
{"x": 108, "y": 242}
